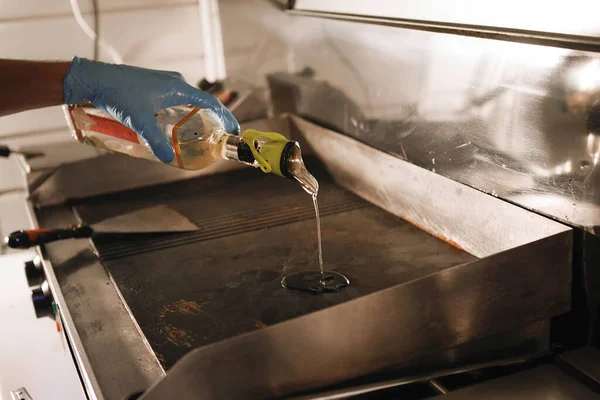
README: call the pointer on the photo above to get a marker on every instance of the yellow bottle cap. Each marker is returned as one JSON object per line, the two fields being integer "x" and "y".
{"x": 269, "y": 157}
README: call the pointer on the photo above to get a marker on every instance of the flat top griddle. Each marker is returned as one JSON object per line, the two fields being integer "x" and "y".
{"x": 189, "y": 290}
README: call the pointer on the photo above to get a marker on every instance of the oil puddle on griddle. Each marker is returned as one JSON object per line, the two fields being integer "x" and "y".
{"x": 315, "y": 281}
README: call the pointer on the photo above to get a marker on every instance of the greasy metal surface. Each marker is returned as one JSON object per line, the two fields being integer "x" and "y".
{"x": 542, "y": 383}
{"x": 472, "y": 220}
{"x": 219, "y": 205}
{"x": 583, "y": 364}
{"x": 111, "y": 352}
{"x": 426, "y": 315}
{"x": 515, "y": 120}
{"x": 187, "y": 294}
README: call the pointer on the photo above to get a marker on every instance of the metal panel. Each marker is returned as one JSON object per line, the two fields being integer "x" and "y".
{"x": 485, "y": 354}
{"x": 89, "y": 381}
{"x": 591, "y": 272}
{"x": 112, "y": 354}
{"x": 575, "y": 42}
{"x": 515, "y": 120}
{"x": 534, "y": 15}
{"x": 515, "y": 342}
{"x": 439, "y": 311}
{"x": 400, "y": 380}
{"x": 432, "y": 202}
{"x": 542, "y": 383}
{"x": 432, "y": 379}
{"x": 583, "y": 364}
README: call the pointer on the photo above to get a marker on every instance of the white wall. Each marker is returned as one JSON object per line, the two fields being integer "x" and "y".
{"x": 161, "y": 34}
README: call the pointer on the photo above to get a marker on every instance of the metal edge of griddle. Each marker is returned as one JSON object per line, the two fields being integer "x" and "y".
{"x": 89, "y": 381}
{"x": 94, "y": 380}
{"x": 545, "y": 381}
{"x": 118, "y": 291}
{"x": 517, "y": 356}
{"x": 327, "y": 347}
{"x": 432, "y": 377}
{"x": 582, "y": 364}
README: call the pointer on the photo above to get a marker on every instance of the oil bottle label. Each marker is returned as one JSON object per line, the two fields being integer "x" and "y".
{"x": 113, "y": 128}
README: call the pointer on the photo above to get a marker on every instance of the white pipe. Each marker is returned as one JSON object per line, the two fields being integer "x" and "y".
{"x": 212, "y": 40}
{"x": 218, "y": 41}
{"x": 209, "y": 64}
{"x": 91, "y": 34}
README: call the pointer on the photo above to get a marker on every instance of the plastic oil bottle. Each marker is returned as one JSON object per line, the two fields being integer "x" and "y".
{"x": 198, "y": 139}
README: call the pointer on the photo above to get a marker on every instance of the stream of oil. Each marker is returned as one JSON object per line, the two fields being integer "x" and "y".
{"x": 319, "y": 242}
{"x": 315, "y": 281}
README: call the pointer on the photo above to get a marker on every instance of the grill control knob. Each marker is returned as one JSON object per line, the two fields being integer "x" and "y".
{"x": 42, "y": 300}
{"x": 34, "y": 271}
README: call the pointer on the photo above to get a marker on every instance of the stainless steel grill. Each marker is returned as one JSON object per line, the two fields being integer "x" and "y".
{"x": 189, "y": 290}
{"x": 434, "y": 291}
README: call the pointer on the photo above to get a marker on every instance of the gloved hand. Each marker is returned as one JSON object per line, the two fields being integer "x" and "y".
{"x": 134, "y": 95}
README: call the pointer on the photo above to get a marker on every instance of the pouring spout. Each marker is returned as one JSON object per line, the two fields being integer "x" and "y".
{"x": 298, "y": 171}
{"x": 307, "y": 181}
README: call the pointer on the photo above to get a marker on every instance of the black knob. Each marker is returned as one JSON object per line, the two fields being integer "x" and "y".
{"x": 34, "y": 271}
{"x": 42, "y": 300}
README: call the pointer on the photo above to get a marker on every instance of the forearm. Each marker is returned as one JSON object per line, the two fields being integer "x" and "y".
{"x": 27, "y": 85}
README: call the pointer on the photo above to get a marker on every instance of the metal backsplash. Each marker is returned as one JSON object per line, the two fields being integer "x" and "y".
{"x": 549, "y": 17}
{"x": 516, "y": 120}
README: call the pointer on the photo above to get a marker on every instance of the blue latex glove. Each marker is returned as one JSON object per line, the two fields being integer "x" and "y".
{"x": 134, "y": 95}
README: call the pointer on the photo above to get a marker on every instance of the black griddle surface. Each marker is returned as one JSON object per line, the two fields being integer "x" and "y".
{"x": 189, "y": 290}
